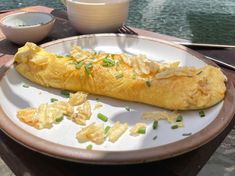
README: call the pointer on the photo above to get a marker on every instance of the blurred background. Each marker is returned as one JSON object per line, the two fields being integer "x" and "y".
{"x": 205, "y": 21}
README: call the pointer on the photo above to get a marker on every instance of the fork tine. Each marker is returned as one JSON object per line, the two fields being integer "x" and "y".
{"x": 122, "y": 31}
{"x": 130, "y": 31}
{"x": 126, "y": 30}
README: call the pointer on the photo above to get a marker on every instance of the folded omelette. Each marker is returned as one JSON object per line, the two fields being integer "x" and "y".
{"x": 122, "y": 76}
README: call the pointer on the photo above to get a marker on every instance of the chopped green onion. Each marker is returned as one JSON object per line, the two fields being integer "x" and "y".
{"x": 97, "y": 99}
{"x": 81, "y": 76}
{"x": 102, "y": 117}
{"x": 155, "y": 137}
{"x": 108, "y": 62}
{"x": 58, "y": 120}
{"x": 107, "y": 128}
{"x": 202, "y": 113}
{"x": 120, "y": 75}
{"x": 148, "y": 83}
{"x": 199, "y": 73}
{"x": 174, "y": 126}
{"x": 26, "y": 86}
{"x": 142, "y": 130}
{"x": 65, "y": 93}
{"x": 179, "y": 118}
{"x": 187, "y": 134}
{"x": 68, "y": 55}
{"x": 78, "y": 65}
{"x": 128, "y": 108}
{"x": 53, "y": 100}
{"x": 88, "y": 68}
{"x": 59, "y": 56}
{"x": 134, "y": 76}
{"x": 155, "y": 124}
{"x": 89, "y": 147}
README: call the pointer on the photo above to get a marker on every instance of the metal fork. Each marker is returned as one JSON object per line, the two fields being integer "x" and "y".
{"x": 127, "y": 30}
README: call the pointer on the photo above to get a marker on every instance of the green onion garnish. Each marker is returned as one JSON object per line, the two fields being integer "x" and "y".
{"x": 53, "y": 100}
{"x": 179, "y": 118}
{"x": 202, "y": 113}
{"x": 65, "y": 93}
{"x": 120, "y": 75}
{"x": 155, "y": 137}
{"x": 174, "y": 126}
{"x": 148, "y": 83}
{"x": 88, "y": 68}
{"x": 142, "y": 130}
{"x": 68, "y": 55}
{"x": 187, "y": 134}
{"x": 102, "y": 117}
{"x": 108, "y": 62}
{"x": 81, "y": 76}
{"x": 199, "y": 73}
{"x": 134, "y": 76}
{"x": 155, "y": 124}
{"x": 89, "y": 147}
{"x": 107, "y": 128}
{"x": 128, "y": 108}
{"x": 59, "y": 56}
{"x": 26, "y": 86}
{"x": 58, "y": 120}
{"x": 78, "y": 65}
{"x": 97, "y": 99}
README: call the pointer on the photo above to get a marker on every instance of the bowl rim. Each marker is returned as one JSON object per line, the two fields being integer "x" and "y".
{"x": 52, "y": 20}
{"x": 96, "y": 3}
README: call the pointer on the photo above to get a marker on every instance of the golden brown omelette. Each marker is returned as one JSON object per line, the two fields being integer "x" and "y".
{"x": 132, "y": 78}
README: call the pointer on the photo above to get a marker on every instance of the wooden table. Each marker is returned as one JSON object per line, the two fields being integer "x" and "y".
{"x": 23, "y": 161}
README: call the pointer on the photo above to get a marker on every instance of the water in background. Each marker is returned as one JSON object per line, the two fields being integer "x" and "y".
{"x": 209, "y": 21}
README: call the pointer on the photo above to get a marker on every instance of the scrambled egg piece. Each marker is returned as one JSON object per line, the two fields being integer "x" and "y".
{"x": 171, "y": 117}
{"x": 27, "y": 116}
{"x": 98, "y": 105}
{"x": 136, "y": 130}
{"x": 77, "y": 98}
{"x": 42, "y": 117}
{"x": 180, "y": 71}
{"x": 142, "y": 65}
{"x": 83, "y": 114}
{"x": 47, "y": 114}
{"x": 63, "y": 106}
{"x": 116, "y": 131}
{"x": 93, "y": 132}
{"x": 161, "y": 115}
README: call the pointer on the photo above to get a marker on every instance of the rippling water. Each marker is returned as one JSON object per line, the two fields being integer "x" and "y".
{"x": 210, "y": 21}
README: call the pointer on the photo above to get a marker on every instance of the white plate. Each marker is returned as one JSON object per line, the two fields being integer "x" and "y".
{"x": 61, "y": 137}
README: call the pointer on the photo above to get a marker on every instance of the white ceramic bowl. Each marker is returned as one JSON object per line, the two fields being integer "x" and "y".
{"x": 97, "y": 16}
{"x": 25, "y": 27}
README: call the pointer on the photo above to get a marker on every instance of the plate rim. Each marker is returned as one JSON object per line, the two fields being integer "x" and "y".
{"x": 131, "y": 156}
